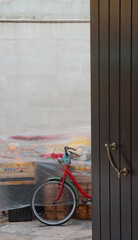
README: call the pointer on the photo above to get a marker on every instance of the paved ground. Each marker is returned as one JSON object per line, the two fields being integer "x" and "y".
{"x": 34, "y": 230}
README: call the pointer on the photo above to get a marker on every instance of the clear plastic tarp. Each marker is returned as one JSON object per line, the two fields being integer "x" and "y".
{"x": 27, "y": 160}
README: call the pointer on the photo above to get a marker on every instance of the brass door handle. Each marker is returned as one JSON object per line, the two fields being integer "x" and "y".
{"x": 113, "y": 146}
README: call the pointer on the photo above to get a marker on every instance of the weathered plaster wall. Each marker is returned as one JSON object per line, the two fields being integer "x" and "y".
{"x": 44, "y": 76}
{"x": 44, "y": 9}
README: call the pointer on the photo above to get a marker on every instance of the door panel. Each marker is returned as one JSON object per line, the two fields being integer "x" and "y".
{"x": 104, "y": 117}
{"x": 114, "y": 82}
{"x": 114, "y": 117}
{"x": 135, "y": 120}
{"x": 125, "y": 116}
{"x": 95, "y": 127}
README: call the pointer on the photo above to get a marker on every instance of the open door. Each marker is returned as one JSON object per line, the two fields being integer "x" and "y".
{"x": 114, "y": 91}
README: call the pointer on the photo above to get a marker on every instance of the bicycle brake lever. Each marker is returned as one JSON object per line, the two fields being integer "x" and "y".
{"x": 75, "y": 154}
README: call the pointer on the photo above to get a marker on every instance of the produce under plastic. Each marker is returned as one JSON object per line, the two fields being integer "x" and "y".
{"x": 26, "y": 160}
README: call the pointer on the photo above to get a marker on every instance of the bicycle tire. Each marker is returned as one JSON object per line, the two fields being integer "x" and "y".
{"x": 46, "y": 211}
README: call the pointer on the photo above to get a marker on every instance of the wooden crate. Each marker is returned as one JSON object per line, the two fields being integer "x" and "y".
{"x": 15, "y": 174}
{"x": 84, "y": 211}
{"x": 86, "y": 185}
{"x": 55, "y": 212}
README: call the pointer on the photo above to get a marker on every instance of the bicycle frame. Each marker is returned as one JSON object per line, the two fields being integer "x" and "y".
{"x": 67, "y": 172}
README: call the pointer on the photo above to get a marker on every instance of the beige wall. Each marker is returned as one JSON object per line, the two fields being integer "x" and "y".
{"x": 44, "y": 76}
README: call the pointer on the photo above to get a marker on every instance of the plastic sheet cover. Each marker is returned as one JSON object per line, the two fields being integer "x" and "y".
{"x": 27, "y": 160}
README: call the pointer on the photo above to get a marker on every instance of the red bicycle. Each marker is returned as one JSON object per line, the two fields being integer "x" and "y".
{"x": 54, "y": 202}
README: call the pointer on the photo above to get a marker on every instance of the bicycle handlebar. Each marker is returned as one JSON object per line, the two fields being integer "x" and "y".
{"x": 67, "y": 148}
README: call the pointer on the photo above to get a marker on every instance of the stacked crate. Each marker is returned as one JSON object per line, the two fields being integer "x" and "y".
{"x": 84, "y": 211}
{"x": 55, "y": 212}
{"x": 16, "y": 174}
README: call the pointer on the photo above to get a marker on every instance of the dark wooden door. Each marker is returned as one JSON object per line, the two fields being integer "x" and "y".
{"x": 114, "y": 91}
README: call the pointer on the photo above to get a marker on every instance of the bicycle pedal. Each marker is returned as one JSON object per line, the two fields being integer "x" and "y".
{"x": 87, "y": 202}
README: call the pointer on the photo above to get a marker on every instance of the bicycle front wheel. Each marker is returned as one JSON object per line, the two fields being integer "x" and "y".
{"x": 54, "y": 213}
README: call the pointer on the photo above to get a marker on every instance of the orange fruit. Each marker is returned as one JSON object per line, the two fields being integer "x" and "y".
{"x": 12, "y": 148}
{"x": 88, "y": 168}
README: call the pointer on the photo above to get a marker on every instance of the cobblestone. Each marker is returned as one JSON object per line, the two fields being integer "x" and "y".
{"x": 34, "y": 230}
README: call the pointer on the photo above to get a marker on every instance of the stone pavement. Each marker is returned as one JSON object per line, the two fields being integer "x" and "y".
{"x": 34, "y": 230}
